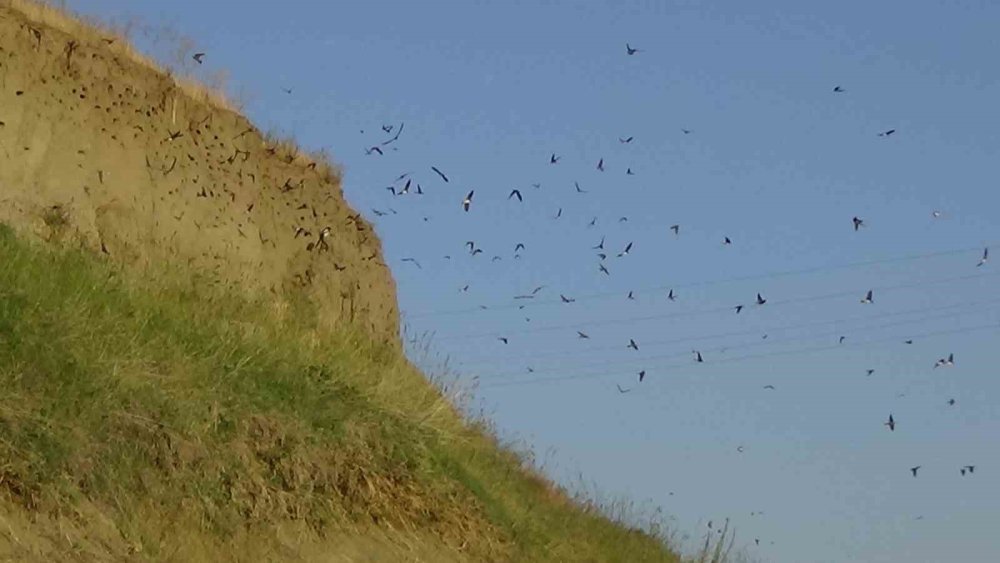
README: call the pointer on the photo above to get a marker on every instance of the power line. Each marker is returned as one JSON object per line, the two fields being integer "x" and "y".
{"x": 751, "y": 277}
{"x": 993, "y": 326}
{"x": 766, "y": 330}
{"x": 700, "y": 312}
{"x": 644, "y": 360}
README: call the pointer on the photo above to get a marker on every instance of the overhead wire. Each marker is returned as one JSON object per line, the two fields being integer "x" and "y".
{"x": 661, "y": 369}
{"x": 714, "y": 310}
{"x": 702, "y": 283}
{"x": 643, "y": 360}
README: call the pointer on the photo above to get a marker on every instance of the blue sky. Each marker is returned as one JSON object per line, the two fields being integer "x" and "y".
{"x": 775, "y": 160}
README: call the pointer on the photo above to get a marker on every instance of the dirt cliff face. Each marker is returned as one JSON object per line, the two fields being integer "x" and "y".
{"x": 100, "y": 147}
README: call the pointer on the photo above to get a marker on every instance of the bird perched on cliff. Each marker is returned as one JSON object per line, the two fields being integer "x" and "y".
{"x": 323, "y": 235}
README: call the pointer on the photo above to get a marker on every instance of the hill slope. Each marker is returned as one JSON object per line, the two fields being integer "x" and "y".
{"x": 214, "y": 387}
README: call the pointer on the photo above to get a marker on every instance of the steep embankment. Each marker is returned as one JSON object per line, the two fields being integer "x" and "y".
{"x": 148, "y": 414}
{"x": 99, "y": 146}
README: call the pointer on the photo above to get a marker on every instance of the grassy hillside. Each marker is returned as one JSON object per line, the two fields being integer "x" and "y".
{"x": 188, "y": 376}
{"x": 148, "y": 416}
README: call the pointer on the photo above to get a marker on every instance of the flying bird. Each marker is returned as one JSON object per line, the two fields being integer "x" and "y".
{"x": 566, "y": 299}
{"x": 945, "y": 362}
{"x": 628, "y": 172}
{"x": 686, "y": 131}
{"x": 886, "y": 133}
{"x": 580, "y": 334}
{"x": 519, "y": 246}
{"x": 604, "y": 270}
{"x": 891, "y": 423}
{"x": 503, "y": 339}
{"x": 841, "y": 340}
{"x": 199, "y": 57}
{"x": 858, "y": 223}
{"x": 676, "y": 229}
{"x": 516, "y": 193}
{"x": 986, "y": 255}
{"x": 642, "y": 375}
{"x": 625, "y": 252}
{"x": 771, "y": 387}
{"x": 558, "y": 213}
{"x": 633, "y": 345}
{"x": 760, "y": 300}
{"x": 374, "y": 150}
{"x": 671, "y": 296}
{"x": 869, "y": 372}
{"x": 599, "y": 246}
{"x": 838, "y": 89}
{"x": 915, "y": 469}
{"x": 697, "y": 357}
{"x": 969, "y": 468}
{"x": 579, "y": 189}
{"x": 439, "y": 173}
{"x": 468, "y": 200}
{"x": 727, "y": 240}
{"x": 951, "y": 402}
{"x": 415, "y": 263}
{"x": 625, "y": 140}
{"x": 738, "y": 308}
{"x": 600, "y": 165}
{"x": 554, "y": 159}
{"x": 630, "y": 50}
{"x": 620, "y": 390}
{"x": 868, "y": 297}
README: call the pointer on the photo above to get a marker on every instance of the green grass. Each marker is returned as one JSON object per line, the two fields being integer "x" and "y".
{"x": 144, "y": 416}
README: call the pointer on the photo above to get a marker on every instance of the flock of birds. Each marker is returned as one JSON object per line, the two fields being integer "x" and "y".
{"x": 407, "y": 183}
{"x": 412, "y": 185}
